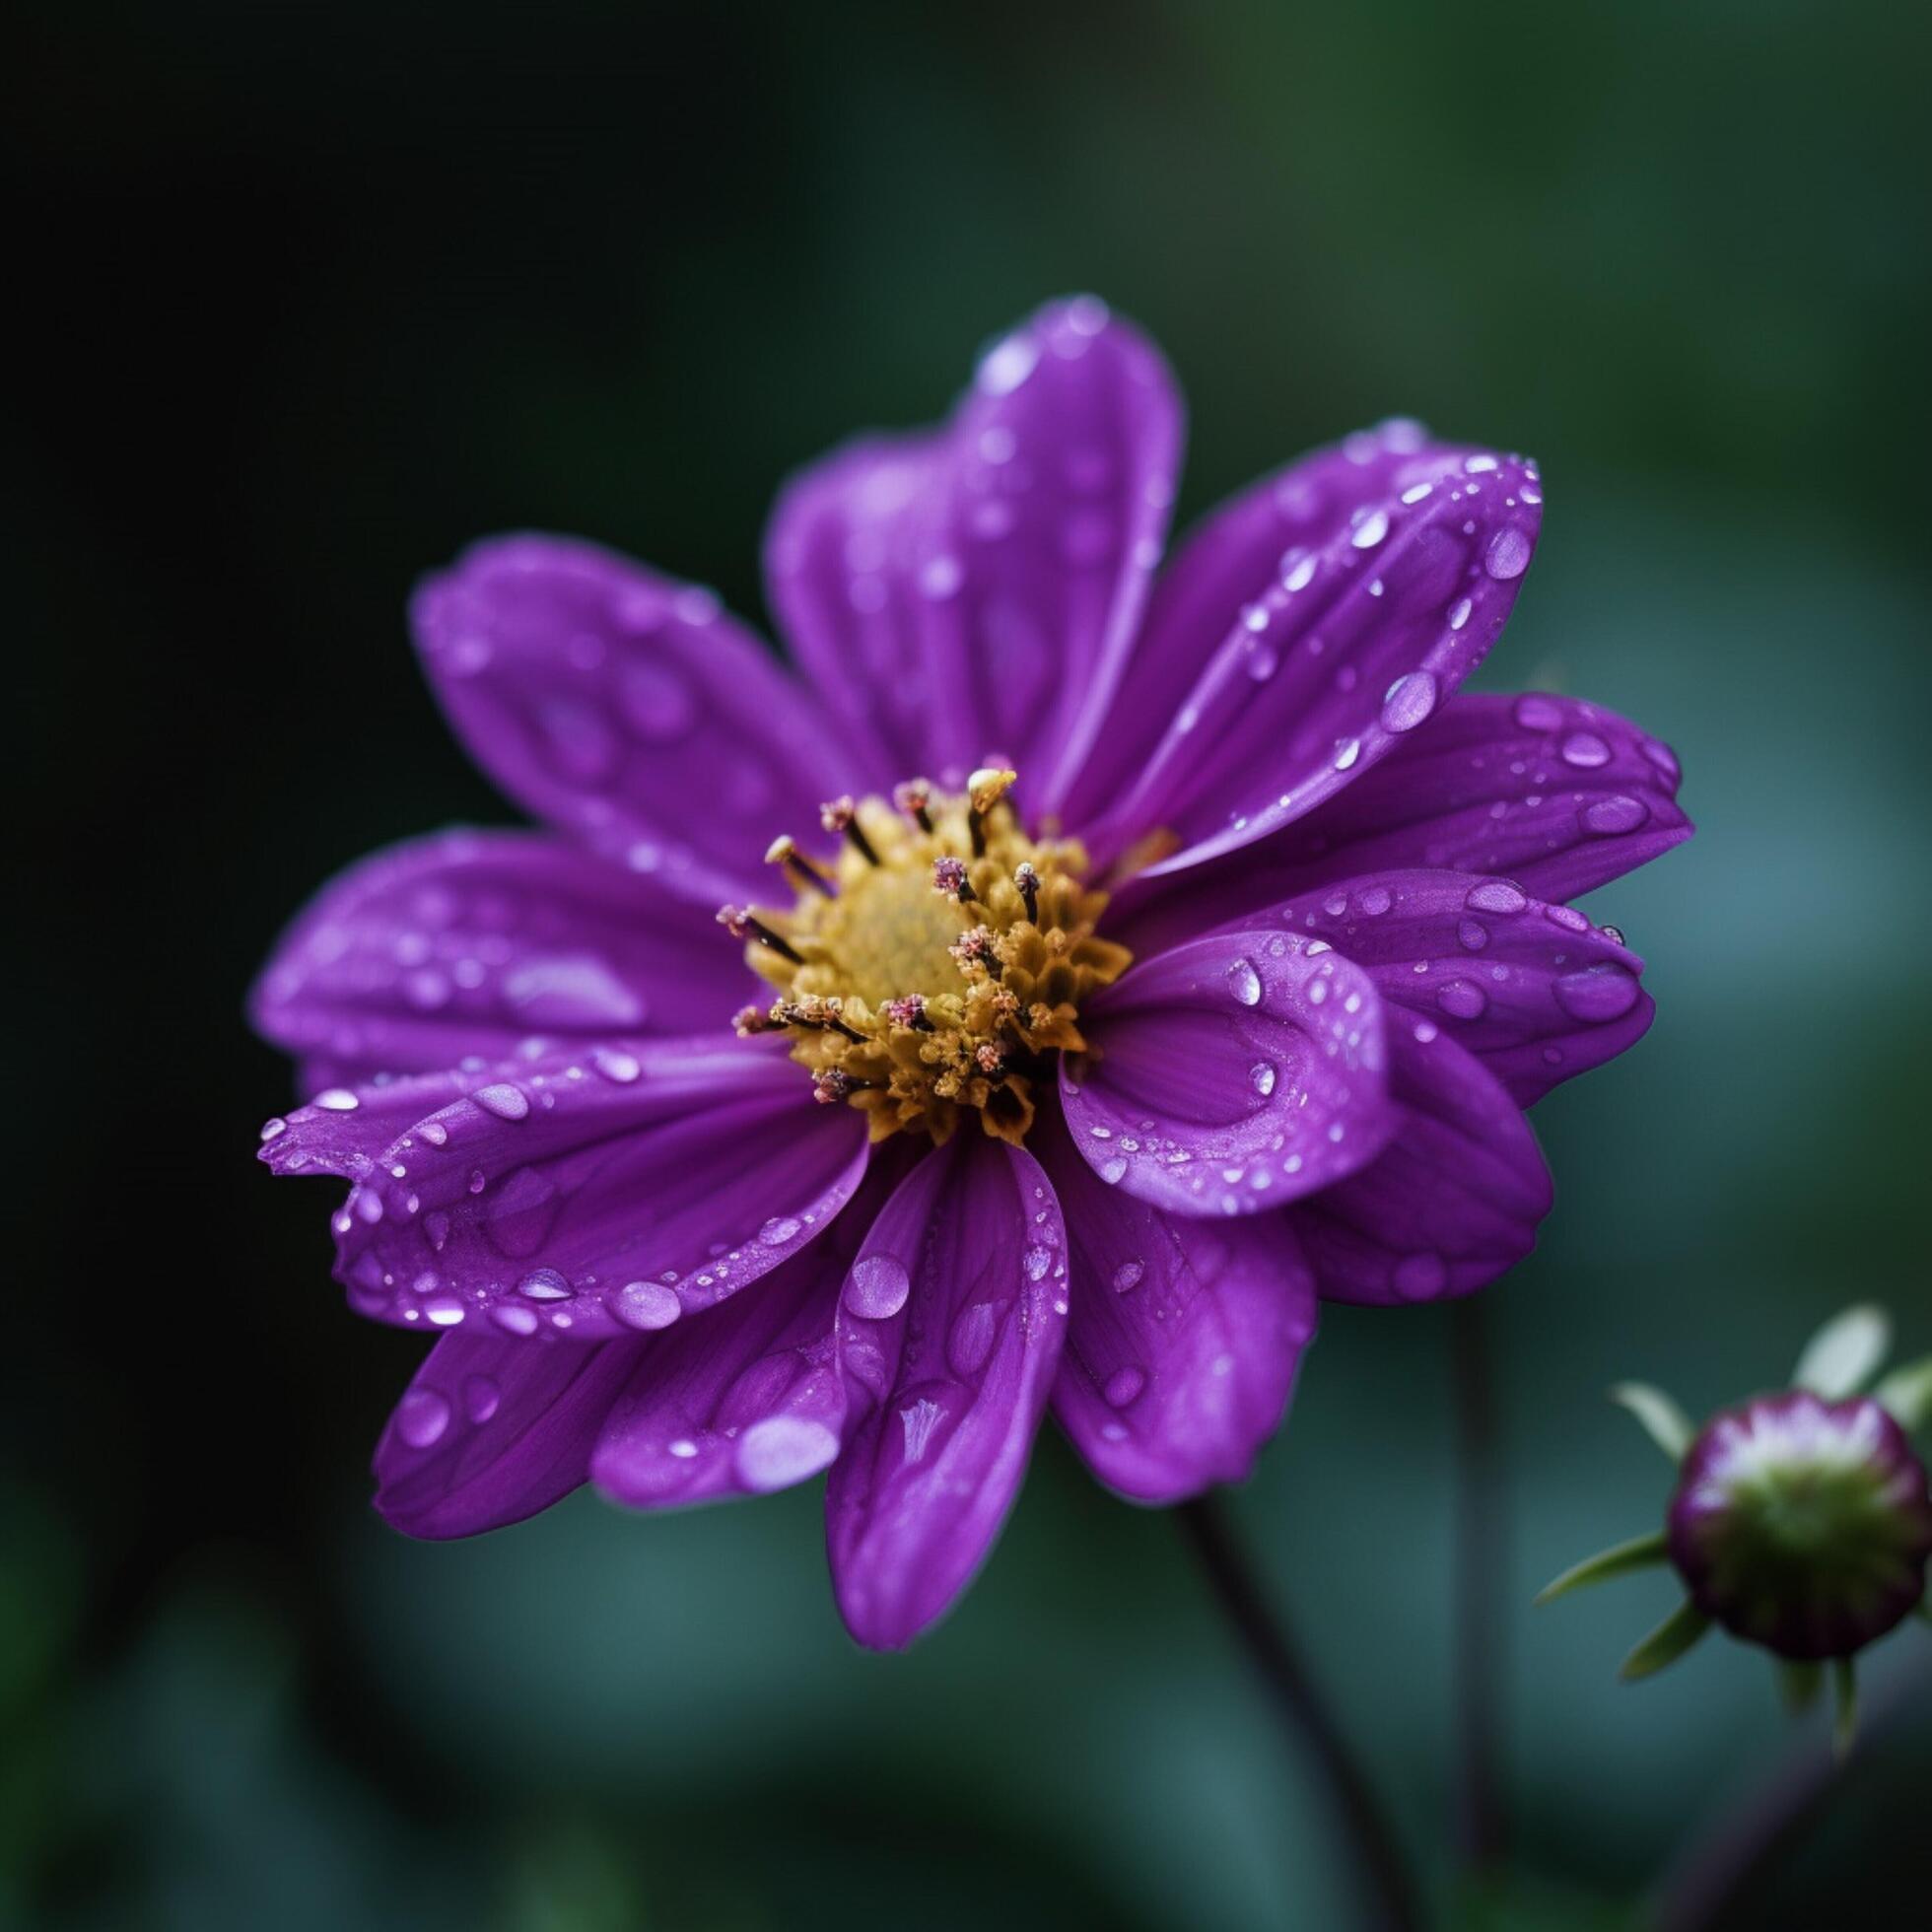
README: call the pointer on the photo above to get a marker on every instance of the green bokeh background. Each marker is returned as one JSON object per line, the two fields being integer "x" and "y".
{"x": 318, "y": 293}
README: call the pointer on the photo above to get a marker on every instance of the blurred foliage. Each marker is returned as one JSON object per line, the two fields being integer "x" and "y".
{"x": 317, "y": 293}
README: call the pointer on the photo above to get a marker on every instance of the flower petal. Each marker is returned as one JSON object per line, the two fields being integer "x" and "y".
{"x": 626, "y": 709}
{"x": 1232, "y": 1076}
{"x": 1183, "y": 1339}
{"x": 564, "y": 1193}
{"x": 1559, "y": 794}
{"x": 1337, "y": 656}
{"x": 473, "y": 942}
{"x": 949, "y": 1332}
{"x": 747, "y": 1400}
{"x": 1453, "y": 1202}
{"x": 1219, "y": 568}
{"x": 492, "y": 1430}
{"x": 974, "y": 590}
{"x": 1536, "y": 991}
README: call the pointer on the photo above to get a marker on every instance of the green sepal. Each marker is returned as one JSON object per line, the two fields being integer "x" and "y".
{"x": 1640, "y": 1552}
{"x": 1844, "y": 1723}
{"x": 1800, "y": 1685}
{"x": 1667, "y": 1642}
{"x": 1664, "y": 1422}
{"x": 1846, "y": 1352}
{"x": 1905, "y": 1395}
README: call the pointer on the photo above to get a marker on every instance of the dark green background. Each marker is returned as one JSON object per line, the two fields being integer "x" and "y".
{"x": 315, "y": 293}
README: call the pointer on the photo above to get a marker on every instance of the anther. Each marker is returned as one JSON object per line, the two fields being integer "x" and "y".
{"x": 833, "y": 1084}
{"x": 988, "y": 1057}
{"x": 822, "y": 1015}
{"x": 801, "y": 870}
{"x": 841, "y": 814}
{"x": 748, "y": 1020}
{"x": 909, "y": 1012}
{"x": 742, "y": 925}
{"x": 949, "y": 877}
{"x": 913, "y": 797}
{"x": 1027, "y": 878}
{"x": 974, "y": 949}
{"x": 984, "y": 790}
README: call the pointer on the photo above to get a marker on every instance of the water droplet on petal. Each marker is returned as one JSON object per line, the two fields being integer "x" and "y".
{"x": 1410, "y": 702}
{"x": 1462, "y": 1000}
{"x": 1606, "y": 817}
{"x": 1585, "y": 750}
{"x": 1128, "y": 1276}
{"x": 782, "y": 1450}
{"x": 1508, "y": 553}
{"x": 646, "y": 1305}
{"x": 544, "y": 1284}
{"x": 1261, "y": 1076}
{"x": 877, "y": 1287}
{"x": 1244, "y": 983}
{"x": 1495, "y": 896}
{"x": 481, "y": 1398}
{"x": 421, "y": 1417}
{"x": 1598, "y": 993}
{"x": 505, "y": 1101}
{"x": 1123, "y": 1385}
{"x": 337, "y": 1100}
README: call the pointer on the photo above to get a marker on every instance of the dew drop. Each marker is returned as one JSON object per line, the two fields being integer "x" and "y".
{"x": 781, "y": 1450}
{"x": 1410, "y": 702}
{"x": 877, "y": 1287}
{"x": 1244, "y": 983}
{"x": 1598, "y": 993}
{"x": 421, "y": 1417}
{"x": 1128, "y": 1277}
{"x": 1508, "y": 554}
{"x": 505, "y": 1101}
{"x": 1123, "y": 1385}
{"x": 646, "y": 1305}
{"x": 1462, "y": 1000}
{"x": 544, "y": 1284}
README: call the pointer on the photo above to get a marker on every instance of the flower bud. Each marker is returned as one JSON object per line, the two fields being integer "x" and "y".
{"x": 1801, "y": 1523}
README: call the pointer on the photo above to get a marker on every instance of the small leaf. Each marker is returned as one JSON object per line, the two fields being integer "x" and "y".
{"x": 1844, "y": 1352}
{"x": 1800, "y": 1683}
{"x": 1666, "y": 1425}
{"x": 1844, "y": 1687}
{"x": 1667, "y": 1642}
{"x": 1640, "y": 1552}
{"x": 1906, "y": 1395}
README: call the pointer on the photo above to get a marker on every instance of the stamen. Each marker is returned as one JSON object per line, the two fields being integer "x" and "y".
{"x": 831, "y": 1084}
{"x": 742, "y": 925}
{"x": 823, "y": 1015}
{"x": 984, "y": 790}
{"x": 1027, "y": 878}
{"x": 988, "y": 1057}
{"x": 974, "y": 949}
{"x": 913, "y": 797}
{"x": 799, "y": 869}
{"x": 949, "y": 877}
{"x": 841, "y": 814}
{"x": 909, "y": 1012}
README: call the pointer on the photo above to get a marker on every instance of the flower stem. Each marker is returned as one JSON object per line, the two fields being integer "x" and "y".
{"x": 1724, "y": 1873}
{"x": 1388, "y": 1893}
{"x": 1481, "y": 1552}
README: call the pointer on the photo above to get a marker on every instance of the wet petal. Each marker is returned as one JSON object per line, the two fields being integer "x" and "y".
{"x": 1535, "y": 990}
{"x": 627, "y": 709}
{"x": 1183, "y": 1336}
{"x": 492, "y": 1430}
{"x": 974, "y": 590}
{"x": 1215, "y": 572}
{"x": 564, "y": 1193}
{"x": 1232, "y": 1076}
{"x": 1454, "y": 1199}
{"x": 1337, "y": 656}
{"x": 747, "y": 1400}
{"x": 473, "y": 942}
{"x": 1559, "y": 794}
{"x": 950, "y": 1330}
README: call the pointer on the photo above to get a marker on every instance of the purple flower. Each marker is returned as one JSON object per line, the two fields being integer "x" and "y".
{"x": 1167, "y": 950}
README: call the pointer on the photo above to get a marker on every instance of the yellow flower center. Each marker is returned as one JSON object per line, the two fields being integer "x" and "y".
{"x": 938, "y": 966}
